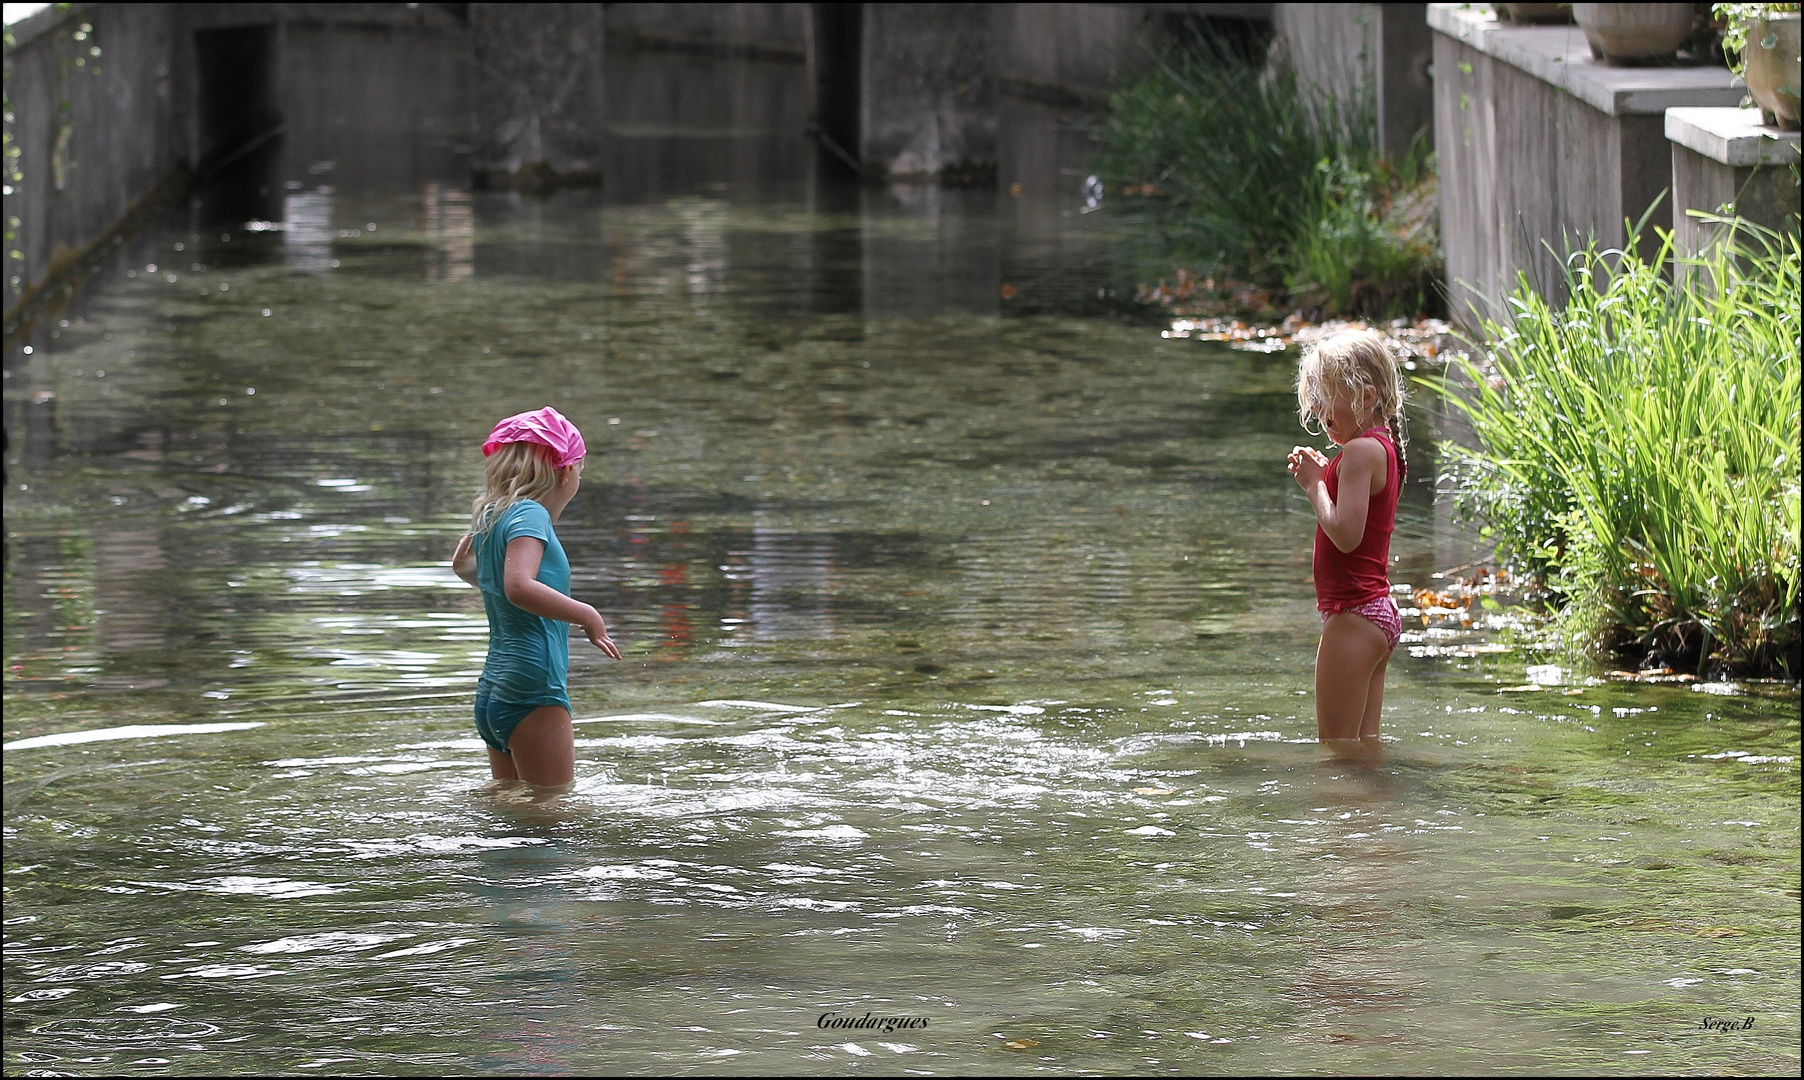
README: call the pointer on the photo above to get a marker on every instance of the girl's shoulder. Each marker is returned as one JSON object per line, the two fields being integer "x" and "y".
{"x": 1368, "y": 449}
{"x": 525, "y": 517}
{"x": 530, "y": 511}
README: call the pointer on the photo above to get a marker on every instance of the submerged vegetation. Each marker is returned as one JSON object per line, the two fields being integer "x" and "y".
{"x": 1268, "y": 195}
{"x": 1639, "y": 449}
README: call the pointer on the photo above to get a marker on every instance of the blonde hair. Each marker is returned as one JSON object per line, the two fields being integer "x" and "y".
{"x": 1358, "y": 361}
{"x": 515, "y": 471}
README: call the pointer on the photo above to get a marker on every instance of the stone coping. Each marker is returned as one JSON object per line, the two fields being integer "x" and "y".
{"x": 1734, "y": 137}
{"x": 39, "y": 23}
{"x": 1561, "y": 56}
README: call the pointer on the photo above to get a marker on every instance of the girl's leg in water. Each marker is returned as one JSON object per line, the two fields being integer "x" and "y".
{"x": 501, "y": 767}
{"x": 1368, "y": 726}
{"x": 1349, "y": 664}
{"x": 542, "y": 750}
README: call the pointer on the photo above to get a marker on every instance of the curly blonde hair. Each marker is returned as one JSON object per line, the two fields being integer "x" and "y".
{"x": 519, "y": 470}
{"x": 1357, "y": 361}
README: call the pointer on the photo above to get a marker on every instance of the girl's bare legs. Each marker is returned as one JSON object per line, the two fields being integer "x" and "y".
{"x": 542, "y": 750}
{"x": 1368, "y": 725}
{"x": 1349, "y": 678}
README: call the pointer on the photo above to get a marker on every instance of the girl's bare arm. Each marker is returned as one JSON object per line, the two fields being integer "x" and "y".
{"x": 520, "y": 583}
{"x": 463, "y": 560}
{"x": 1361, "y": 467}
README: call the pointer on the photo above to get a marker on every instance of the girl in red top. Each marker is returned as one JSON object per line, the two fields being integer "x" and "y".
{"x": 1349, "y": 384}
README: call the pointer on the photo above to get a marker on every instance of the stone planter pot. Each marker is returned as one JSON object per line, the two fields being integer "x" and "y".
{"x": 1622, "y": 34}
{"x": 1772, "y": 73}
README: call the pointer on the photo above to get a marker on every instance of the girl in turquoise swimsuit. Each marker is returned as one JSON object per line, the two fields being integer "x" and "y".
{"x": 511, "y": 553}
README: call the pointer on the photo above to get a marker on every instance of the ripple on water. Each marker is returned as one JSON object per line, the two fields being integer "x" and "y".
{"x": 121, "y": 1029}
{"x": 331, "y": 941}
{"x": 275, "y": 888}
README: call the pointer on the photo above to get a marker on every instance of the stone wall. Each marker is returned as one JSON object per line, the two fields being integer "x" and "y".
{"x": 96, "y": 112}
{"x": 751, "y": 31}
{"x": 1074, "y": 53}
{"x": 110, "y": 115}
{"x": 929, "y": 103}
{"x": 537, "y": 93}
{"x": 1362, "y": 56}
{"x": 1542, "y": 149}
{"x": 1726, "y": 162}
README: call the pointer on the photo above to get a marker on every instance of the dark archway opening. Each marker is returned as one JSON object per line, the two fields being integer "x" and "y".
{"x": 835, "y": 55}
{"x": 240, "y": 122}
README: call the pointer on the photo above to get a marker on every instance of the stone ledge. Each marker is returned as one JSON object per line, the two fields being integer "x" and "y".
{"x": 1560, "y": 55}
{"x": 1734, "y": 137}
{"x": 39, "y": 23}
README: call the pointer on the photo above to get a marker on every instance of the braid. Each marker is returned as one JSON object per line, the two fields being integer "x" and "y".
{"x": 1396, "y": 426}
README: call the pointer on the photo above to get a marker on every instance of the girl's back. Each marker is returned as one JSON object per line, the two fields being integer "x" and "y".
{"x": 528, "y": 654}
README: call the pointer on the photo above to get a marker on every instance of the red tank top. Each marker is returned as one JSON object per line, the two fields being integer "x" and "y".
{"x": 1345, "y": 579}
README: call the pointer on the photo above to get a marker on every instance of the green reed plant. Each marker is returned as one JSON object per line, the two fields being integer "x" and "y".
{"x": 1247, "y": 173}
{"x": 1368, "y": 243}
{"x": 1640, "y": 448}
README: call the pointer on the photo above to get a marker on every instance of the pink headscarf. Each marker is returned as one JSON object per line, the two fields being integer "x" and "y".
{"x": 547, "y": 427}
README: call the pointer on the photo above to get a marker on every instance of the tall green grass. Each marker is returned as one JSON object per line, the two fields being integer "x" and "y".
{"x": 1640, "y": 448}
{"x": 1251, "y": 175}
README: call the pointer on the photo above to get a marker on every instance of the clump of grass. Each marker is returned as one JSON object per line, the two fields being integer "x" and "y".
{"x": 1249, "y": 176}
{"x": 1640, "y": 450}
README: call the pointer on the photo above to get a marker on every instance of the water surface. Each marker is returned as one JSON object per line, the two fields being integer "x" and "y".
{"x": 968, "y": 667}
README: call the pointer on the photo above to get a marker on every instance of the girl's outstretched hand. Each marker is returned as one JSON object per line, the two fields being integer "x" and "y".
{"x": 1306, "y": 464}
{"x": 597, "y": 630}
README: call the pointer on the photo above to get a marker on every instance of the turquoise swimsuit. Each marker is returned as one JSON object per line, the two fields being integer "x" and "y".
{"x": 529, "y": 655}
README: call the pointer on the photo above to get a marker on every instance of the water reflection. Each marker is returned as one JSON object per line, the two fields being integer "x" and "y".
{"x": 307, "y": 231}
{"x": 791, "y": 584}
{"x": 450, "y": 226}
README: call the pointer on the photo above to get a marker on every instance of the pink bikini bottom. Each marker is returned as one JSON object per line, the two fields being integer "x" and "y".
{"x": 1381, "y": 613}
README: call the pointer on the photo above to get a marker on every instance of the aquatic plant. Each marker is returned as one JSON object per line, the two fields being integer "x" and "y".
{"x": 1639, "y": 449}
{"x": 1244, "y": 172}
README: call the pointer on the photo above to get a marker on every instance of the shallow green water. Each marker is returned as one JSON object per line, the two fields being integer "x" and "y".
{"x": 967, "y": 679}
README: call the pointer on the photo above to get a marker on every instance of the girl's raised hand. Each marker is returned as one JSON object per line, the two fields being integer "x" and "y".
{"x": 1306, "y": 464}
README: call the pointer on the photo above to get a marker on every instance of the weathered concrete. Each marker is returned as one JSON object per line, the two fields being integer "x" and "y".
{"x": 1072, "y": 54}
{"x": 1725, "y": 162}
{"x": 738, "y": 31}
{"x": 1540, "y": 147}
{"x": 99, "y": 125}
{"x": 374, "y": 109}
{"x": 678, "y": 121}
{"x": 110, "y": 125}
{"x": 909, "y": 91}
{"x": 928, "y": 110}
{"x": 1365, "y": 56}
{"x": 538, "y": 94}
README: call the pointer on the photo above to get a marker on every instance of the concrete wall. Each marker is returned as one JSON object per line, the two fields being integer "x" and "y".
{"x": 1074, "y": 53}
{"x": 1529, "y": 171}
{"x": 538, "y": 93}
{"x": 1764, "y": 194}
{"x": 928, "y": 107}
{"x": 751, "y": 31}
{"x": 98, "y": 122}
{"x": 1541, "y": 148}
{"x": 379, "y": 108}
{"x": 117, "y": 117}
{"x": 1727, "y": 162}
{"x": 1069, "y": 50}
{"x": 678, "y": 121}
{"x": 1361, "y": 56}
